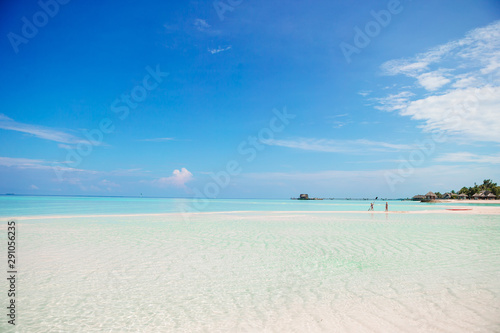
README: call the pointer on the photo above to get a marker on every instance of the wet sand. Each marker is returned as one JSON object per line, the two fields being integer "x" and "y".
{"x": 466, "y": 209}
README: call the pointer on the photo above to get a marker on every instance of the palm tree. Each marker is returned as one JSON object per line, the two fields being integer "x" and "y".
{"x": 488, "y": 184}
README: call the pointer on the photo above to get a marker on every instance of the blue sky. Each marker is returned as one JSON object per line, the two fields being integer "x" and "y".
{"x": 249, "y": 99}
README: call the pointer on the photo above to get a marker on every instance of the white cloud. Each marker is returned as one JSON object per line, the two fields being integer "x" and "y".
{"x": 337, "y": 146}
{"x": 364, "y": 93}
{"x": 462, "y": 83}
{"x": 158, "y": 139}
{"x": 479, "y": 48}
{"x": 219, "y": 49}
{"x": 395, "y": 67}
{"x": 339, "y": 124}
{"x": 53, "y": 171}
{"x": 38, "y": 131}
{"x": 379, "y": 144}
{"x": 26, "y": 163}
{"x": 338, "y": 116}
{"x": 19, "y": 162}
{"x": 394, "y": 101}
{"x": 109, "y": 185}
{"x": 347, "y": 183}
{"x": 201, "y": 24}
{"x": 473, "y": 112}
{"x": 319, "y": 176}
{"x": 432, "y": 80}
{"x": 179, "y": 178}
{"x": 128, "y": 172}
{"x": 466, "y": 157}
{"x": 336, "y": 122}
{"x": 342, "y": 182}
{"x": 34, "y": 187}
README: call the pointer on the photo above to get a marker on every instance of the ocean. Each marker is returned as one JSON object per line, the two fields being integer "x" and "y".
{"x": 12, "y": 206}
{"x": 165, "y": 265}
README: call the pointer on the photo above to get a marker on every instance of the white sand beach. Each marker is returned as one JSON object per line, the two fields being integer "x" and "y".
{"x": 473, "y": 202}
{"x": 481, "y": 210}
{"x": 253, "y": 271}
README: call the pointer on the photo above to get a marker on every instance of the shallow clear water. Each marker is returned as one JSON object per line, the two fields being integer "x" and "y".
{"x": 258, "y": 271}
{"x": 11, "y": 206}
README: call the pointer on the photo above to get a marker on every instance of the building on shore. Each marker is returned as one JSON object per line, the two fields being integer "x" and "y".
{"x": 306, "y": 197}
{"x": 484, "y": 195}
{"x": 430, "y": 196}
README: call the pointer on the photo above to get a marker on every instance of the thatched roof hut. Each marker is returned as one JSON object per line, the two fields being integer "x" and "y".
{"x": 484, "y": 195}
{"x": 431, "y": 196}
{"x": 462, "y": 196}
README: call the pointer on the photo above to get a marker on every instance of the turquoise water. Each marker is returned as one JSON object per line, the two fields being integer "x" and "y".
{"x": 12, "y": 206}
{"x": 258, "y": 272}
{"x": 250, "y": 266}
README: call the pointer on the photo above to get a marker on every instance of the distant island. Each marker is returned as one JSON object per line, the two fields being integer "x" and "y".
{"x": 306, "y": 197}
{"x": 486, "y": 191}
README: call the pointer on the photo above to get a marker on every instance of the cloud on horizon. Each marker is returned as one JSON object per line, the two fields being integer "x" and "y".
{"x": 337, "y": 146}
{"x": 466, "y": 157}
{"x": 26, "y": 163}
{"x": 158, "y": 139}
{"x": 179, "y": 178}
{"x": 344, "y": 183}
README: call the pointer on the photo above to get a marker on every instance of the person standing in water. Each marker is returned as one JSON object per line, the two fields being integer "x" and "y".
{"x": 371, "y": 206}
{"x": 386, "y": 206}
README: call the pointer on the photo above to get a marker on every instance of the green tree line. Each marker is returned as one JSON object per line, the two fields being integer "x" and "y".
{"x": 487, "y": 185}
